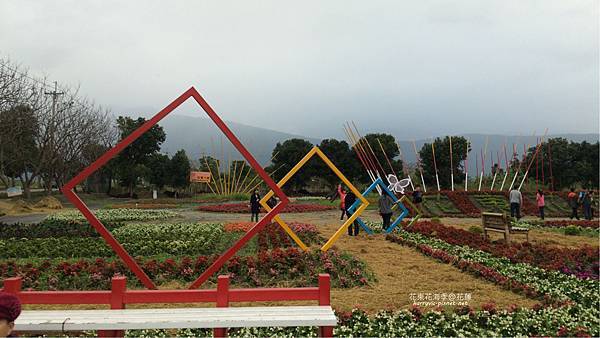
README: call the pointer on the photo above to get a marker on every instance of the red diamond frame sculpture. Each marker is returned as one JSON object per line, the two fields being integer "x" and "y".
{"x": 67, "y": 190}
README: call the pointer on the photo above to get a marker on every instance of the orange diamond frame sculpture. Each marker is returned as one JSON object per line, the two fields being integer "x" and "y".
{"x": 363, "y": 205}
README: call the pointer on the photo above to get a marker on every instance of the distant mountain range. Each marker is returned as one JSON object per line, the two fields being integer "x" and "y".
{"x": 200, "y": 136}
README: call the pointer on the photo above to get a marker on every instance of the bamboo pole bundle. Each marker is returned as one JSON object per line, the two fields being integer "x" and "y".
{"x": 419, "y": 165}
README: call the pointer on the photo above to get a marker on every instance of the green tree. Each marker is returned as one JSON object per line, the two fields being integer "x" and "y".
{"x": 460, "y": 149}
{"x": 179, "y": 170}
{"x": 287, "y": 154}
{"x": 18, "y": 149}
{"x": 572, "y": 163}
{"x": 388, "y": 142}
{"x": 159, "y": 167}
{"x": 343, "y": 158}
{"x": 131, "y": 163}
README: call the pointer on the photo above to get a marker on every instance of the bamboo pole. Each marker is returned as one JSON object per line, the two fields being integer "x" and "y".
{"x": 371, "y": 170}
{"x": 437, "y": 178}
{"x": 404, "y": 167}
{"x": 386, "y": 157}
{"x": 531, "y": 162}
{"x": 222, "y": 192}
{"x": 487, "y": 139}
{"x": 506, "y": 168}
{"x": 451, "y": 165}
{"x": 211, "y": 176}
{"x": 369, "y": 151}
{"x": 419, "y": 165}
{"x": 496, "y": 167}
{"x": 467, "y": 166}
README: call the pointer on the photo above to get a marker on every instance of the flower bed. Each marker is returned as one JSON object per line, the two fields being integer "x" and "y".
{"x": 114, "y": 215}
{"x": 582, "y": 224}
{"x": 137, "y": 239}
{"x": 581, "y": 262}
{"x": 51, "y": 228}
{"x": 238, "y": 208}
{"x": 269, "y": 268}
{"x": 414, "y": 322}
{"x": 577, "y": 299}
{"x": 142, "y": 206}
{"x": 273, "y": 236}
{"x": 463, "y": 203}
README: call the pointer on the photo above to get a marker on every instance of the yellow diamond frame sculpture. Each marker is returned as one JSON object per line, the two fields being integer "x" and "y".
{"x": 291, "y": 173}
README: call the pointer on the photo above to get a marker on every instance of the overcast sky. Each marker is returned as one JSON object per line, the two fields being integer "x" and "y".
{"x": 413, "y": 68}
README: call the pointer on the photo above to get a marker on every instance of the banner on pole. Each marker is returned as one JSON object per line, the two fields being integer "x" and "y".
{"x": 200, "y": 177}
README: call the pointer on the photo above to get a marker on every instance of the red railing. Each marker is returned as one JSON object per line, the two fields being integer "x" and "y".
{"x": 118, "y": 297}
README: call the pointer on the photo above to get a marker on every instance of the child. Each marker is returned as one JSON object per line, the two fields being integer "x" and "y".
{"x": 10, "y": 309}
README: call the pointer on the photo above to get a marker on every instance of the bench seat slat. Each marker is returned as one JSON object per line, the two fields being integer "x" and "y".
{"x": 74, "y": 320}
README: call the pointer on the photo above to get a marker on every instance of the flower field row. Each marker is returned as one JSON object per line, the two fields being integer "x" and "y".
{"x": 581, "y": 262}
{"x": 137, "y": 239}
{"x": 268, "y": 268}
{"x": 273, "y": 236}
{"x": 239, "y": 208}
{"x": 51, "y": 228}
{"x": 576, "y": 297}
{"x": 114, "y": 215}
{"x": 142, "y": 206}
{"x": 462, "y": 322}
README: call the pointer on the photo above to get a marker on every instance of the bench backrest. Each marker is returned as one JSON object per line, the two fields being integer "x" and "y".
{"x": 494, "y": 221}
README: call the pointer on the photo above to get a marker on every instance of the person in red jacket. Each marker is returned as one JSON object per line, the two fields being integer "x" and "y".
{"x": 541, "y": 203}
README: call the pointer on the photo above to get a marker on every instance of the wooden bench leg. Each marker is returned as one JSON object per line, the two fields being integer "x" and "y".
{"x": 220, "y": 333}
{"x": 111, "y": 333}
{"x": 326, "y": 331}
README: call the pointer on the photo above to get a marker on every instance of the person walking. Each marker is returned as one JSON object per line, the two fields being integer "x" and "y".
{"x": 573, "y": 203}
{"x": 385, "y": 209}
{"x": 254, "y": 206}
{"x": 586, "y": 201}
{"x": 10, "y": 309}
{"x": 349, "y": 199}
{"x": 541, "y": 203}
{"x": 516, "y": 200}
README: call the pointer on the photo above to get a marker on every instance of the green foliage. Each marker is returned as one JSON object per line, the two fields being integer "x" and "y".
{"x": 133, "y": 162}
{"x": 19, "y": 128}
{"x": 388, "y": 142}
{"x": 475, "y": 229}
{"x": 286, "y": 155}
{"x": 460, "y": 149}
{"x": 572, "y": 163}
{"x": 159, "y": 174}
{"x": 343, "y": 158}
{"x": 436, "y": 220}
{"x": 572, "y": 230}
{"x": 114, "y": 215}
{"x": 179, "y": 170}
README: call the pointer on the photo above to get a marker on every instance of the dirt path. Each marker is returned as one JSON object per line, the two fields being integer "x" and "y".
{"x": 401, "y": 271}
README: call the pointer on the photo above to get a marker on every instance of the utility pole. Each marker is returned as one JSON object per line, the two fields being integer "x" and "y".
{"x": 55, "y": 94}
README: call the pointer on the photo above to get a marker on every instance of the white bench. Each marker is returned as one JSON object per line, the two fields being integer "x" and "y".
{"x": 176, "y": 318}
{"x": 113, "y": 322}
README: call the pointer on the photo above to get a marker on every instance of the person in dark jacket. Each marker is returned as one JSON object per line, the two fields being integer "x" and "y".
{"x": 587, "y": 201}
{"x": 254, "y": 206}
{"x": 385, "y": 209}
{"x": 10, "y": 309}
{"x": 348, "y": 201}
